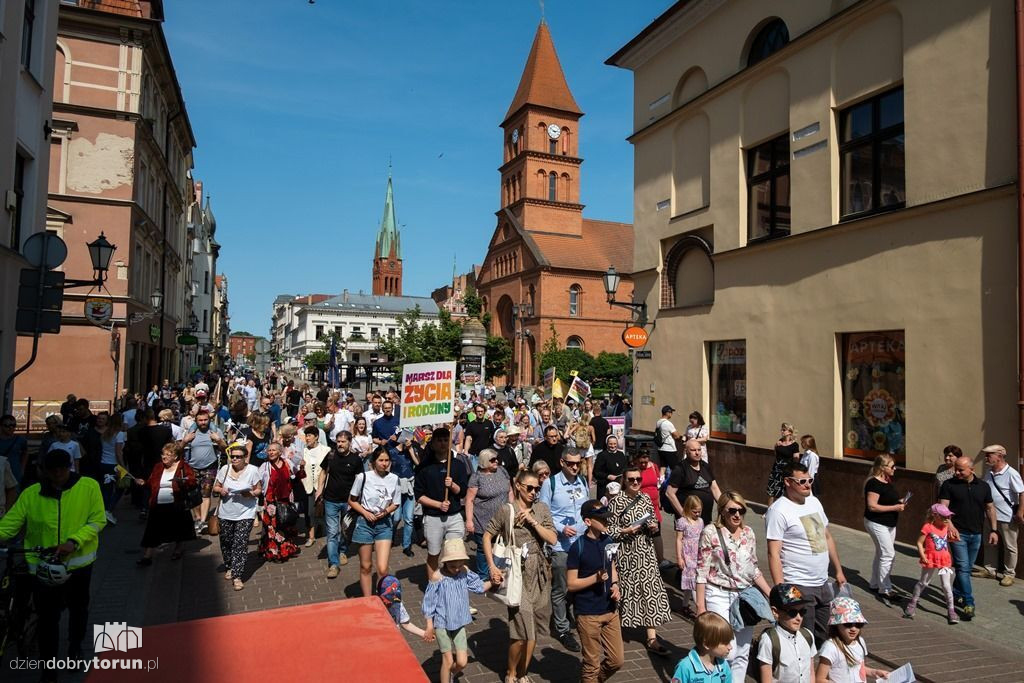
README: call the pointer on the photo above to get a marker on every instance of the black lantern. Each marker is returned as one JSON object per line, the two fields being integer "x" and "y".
{"x": 156, "y": 298}
{"x": 611, "y": 282}
{"x": 100, "y": 251}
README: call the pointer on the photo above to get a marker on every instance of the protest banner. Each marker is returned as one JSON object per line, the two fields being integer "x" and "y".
{"x": 578, "y": 390}
{"x": 617, "y": 423}
{"x": 558, "y": 389}
{"x": 548, "y": 382}
{"x": 428, "y": 393}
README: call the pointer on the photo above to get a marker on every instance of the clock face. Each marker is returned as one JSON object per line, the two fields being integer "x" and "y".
{"x": 515, "y": 136}
{"x": 554, "y": 131}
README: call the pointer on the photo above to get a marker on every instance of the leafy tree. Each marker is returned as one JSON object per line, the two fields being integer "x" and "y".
{"x": 499, "y": 354}
{"x": 551, "y": 345}
{"x": 473, "y": 302}
{"x": 603, "y": 373}
{"x": 242, "y": 333}
{"x": 317, "y": 359}
{"x": 419, "y": 342}
{"x": 567, "y": 360}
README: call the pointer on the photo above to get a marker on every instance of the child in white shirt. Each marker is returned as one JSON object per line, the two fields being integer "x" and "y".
{"x": 786, "y": 651}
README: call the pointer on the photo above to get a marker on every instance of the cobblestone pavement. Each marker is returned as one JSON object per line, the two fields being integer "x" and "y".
{"x": 987, "y": 649}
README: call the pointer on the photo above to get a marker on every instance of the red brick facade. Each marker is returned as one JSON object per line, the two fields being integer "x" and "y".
{"x": 238, "y": 344}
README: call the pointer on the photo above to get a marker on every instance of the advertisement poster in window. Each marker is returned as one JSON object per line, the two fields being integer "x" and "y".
{"x": 874, "y": 395}
{"x": 727, "y": 361}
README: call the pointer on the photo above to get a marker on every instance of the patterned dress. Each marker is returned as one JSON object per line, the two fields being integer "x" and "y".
{"x": 690, "y": 529}
{"x": 274, "y": 545}
{"x": 644, "y": 600}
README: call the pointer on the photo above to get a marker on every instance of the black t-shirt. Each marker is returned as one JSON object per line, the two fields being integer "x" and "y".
{"x": 507, "y": 459}
{"x": 341, "y": 473}
{"x": 587, "y": 556}
{"x": 695, "y": 482}
{"x": 552, "y": 455}
{"x": 323, "y": 395}
{"x": 887, "y": 495}
{"x": 292, "y": 399}
{"x": 786, "y": 453}
{"x": 601, "y": 430}
{"x": 429, "y": 482}
{"x": 967, "y": 501}
{"x": 482, "y": 432}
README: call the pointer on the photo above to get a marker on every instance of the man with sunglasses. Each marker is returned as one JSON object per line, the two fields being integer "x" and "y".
{"x": 800, "y": 546}
{"x": 564, "y": 493}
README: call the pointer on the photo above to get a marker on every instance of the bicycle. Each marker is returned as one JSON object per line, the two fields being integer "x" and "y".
{"x": 17, "y": 617}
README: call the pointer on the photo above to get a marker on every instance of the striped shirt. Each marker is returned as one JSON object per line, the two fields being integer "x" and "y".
{"x": 447, "y": 601}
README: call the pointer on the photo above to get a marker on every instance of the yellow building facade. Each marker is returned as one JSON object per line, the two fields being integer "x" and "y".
{"x": 826, "y": 224}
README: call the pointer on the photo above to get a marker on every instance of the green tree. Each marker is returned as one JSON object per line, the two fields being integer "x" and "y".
{"x": 420, "y": 342}
{"x": 551, "y": 345}
{"x": 317, "y": 359}
{"x": 567, "y": 360}
{"x": 499, "y": 355}
{"x": 608, "y": 370}
{"x": 473, "y": 302}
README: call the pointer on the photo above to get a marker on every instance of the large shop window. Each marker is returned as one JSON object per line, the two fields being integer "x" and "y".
{"x": 727, "y": 361}
{"x": 871, "y": 166}
{"x": 874, "y": 395}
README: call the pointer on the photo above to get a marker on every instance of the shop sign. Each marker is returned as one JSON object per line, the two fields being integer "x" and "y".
{"x": 98, "y": 310}
{"x": 188, "y": 340}
{"x": 634, "y": 336}
{"x": 644, "y": 354}
{"x": 154, "y": 333}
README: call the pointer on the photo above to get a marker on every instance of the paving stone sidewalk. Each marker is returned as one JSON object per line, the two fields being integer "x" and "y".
{"x": 987, "y": 649}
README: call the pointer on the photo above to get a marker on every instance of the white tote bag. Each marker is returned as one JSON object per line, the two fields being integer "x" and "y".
{"x": 507, "y": 556}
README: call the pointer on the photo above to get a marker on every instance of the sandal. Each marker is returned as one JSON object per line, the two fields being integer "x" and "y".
{"x": 238, "y": 584}
{"x": 654, "y": 647}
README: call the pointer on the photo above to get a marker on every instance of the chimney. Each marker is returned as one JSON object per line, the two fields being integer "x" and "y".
{"x": 345, "y": 295}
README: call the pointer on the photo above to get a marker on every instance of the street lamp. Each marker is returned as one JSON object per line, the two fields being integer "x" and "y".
{"x": 100, "y": 253}
{"x": 611, "y": 285}
{"x": 193, "y": 321}
{"x": 155, "y": 299}
{"x": 520, "y": 312}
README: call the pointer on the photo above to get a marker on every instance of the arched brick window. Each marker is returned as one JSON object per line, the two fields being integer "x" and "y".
{"x": 575, "y": 300}
{"x": 574, "y": 342}
{"x": 688, "y": 274}
{"x": 552, "y": 186}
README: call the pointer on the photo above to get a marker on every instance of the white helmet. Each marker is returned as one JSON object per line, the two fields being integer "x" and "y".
{"x": 52, "y": 572}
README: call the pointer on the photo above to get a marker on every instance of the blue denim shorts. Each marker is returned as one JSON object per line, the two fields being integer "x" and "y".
{"x": 366, "y": 533}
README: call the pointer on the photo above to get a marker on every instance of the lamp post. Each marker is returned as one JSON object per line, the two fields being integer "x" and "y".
{"x": 611, "y": 285}
{"x": 520, "y": 312}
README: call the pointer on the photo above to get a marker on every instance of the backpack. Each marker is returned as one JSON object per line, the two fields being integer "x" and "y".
{"x": 582, "y": 436}
{"x": 658, "y": 441}
{"x": 773, "y": 636}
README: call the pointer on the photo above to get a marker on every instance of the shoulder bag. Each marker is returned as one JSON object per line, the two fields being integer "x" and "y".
{"x": 191, "y": 496}
{"x": 748, "y": 614}
{"x": 348, "y": 520}
{"x": 1013, "y": 506}
{"x": 508, "y": 557}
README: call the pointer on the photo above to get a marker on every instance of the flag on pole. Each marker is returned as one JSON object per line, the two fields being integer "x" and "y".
{"x": 332, "y": 371}
{"x": 579, "y": 389}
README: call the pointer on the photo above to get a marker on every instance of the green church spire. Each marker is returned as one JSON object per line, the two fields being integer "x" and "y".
{"x": 387, "y": 237}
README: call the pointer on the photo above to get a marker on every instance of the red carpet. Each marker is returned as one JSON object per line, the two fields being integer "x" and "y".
{"x": 352, "y": 640}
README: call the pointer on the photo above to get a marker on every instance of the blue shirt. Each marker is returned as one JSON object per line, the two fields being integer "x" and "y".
{"x": 565, "y": 500}
{"x": 275, "y": 414}
{"x": 691, "y": 670}
{"x": 447, "y": 601}
{"x": 587, "y": 557}
{"x": 384, "y": 428}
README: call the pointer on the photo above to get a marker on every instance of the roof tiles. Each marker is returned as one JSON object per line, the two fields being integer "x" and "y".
{"x": 543, "y": 83}
{"x": 603, "y": 244}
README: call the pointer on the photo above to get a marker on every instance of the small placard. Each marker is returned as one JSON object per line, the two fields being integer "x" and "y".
{"x": 643, "y": 354}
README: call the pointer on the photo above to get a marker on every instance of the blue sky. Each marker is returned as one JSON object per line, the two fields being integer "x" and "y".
{"x": 297, "y": 109}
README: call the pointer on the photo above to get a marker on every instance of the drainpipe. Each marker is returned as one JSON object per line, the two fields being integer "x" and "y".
{"x": 1019, "y": 28}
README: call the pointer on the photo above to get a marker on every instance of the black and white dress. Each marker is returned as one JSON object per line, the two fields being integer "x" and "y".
{"x": 644, "y": 600}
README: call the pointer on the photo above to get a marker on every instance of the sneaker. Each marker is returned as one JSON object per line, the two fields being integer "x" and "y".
{"x": 1006, "y": 581}
{"x": 952, "y": 618}
{"x": 203, "y": 526}
{"x": 227, "y": 575}
{"x": 569, "y": 643}
{"x": 980, "y": 573}
{"x": 408, "y": 552}
{"x": 111, "y": 519}
{"x": 968, "y": 612}
{"x": 310, "y": 542}
{"x": 473, "y": 611}
{"x": 343, "y": 560}
{"x": 908, "y": 613}
{"x": 332, "y": 572}
{"x": 238, "y": 585}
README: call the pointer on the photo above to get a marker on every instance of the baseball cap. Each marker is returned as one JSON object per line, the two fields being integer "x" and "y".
{"x": 667, "y": 409}
{"x": 390, "y": 590}
{"x": 594, "y": 509}
{"x": 787, "y": 595}
{"x": 941, "y": 510}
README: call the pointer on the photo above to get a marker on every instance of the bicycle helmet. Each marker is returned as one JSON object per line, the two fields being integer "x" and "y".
{"x": 52, "y": 572}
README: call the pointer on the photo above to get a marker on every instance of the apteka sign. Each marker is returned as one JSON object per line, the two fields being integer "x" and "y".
{"x": 428, "y": 391}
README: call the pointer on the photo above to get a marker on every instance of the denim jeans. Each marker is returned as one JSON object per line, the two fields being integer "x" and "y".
{"x": 404, "y": 514}
{"x": 481, "y": 560}
{"x": 336, "y": 545}
{"x": 965, "y": 551}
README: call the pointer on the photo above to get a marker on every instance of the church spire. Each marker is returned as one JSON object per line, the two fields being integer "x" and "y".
{"x": 543, "y": 82}
{"x": 387, "y": 256}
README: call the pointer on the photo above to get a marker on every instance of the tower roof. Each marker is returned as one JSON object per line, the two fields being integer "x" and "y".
{"x": 387, "y": 236}
{"x": 543, "y": 83}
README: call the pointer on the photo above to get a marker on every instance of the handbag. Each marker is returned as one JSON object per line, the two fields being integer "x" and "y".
{"x": 285, "y": 514}
{"x": 748, "y": 614}
{"x": 507, "y": 556}
{"x": 191, "y": 496}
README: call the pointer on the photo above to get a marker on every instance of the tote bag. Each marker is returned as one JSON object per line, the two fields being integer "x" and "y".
{"x": 507, "y": 556}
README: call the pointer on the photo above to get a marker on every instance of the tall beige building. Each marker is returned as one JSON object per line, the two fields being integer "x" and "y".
{"x": 826, "y": 225}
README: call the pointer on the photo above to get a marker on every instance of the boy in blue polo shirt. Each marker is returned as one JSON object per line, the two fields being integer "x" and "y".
{"x": 594, "y": 584}
{"x": 712, "y": 637}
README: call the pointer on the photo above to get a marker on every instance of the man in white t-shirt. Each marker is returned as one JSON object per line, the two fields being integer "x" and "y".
{"x": 800, "y": 546}
{"x": 373, "y": 411}
{"x": 1007, "y": 498}
{"x": 666, "y": 437}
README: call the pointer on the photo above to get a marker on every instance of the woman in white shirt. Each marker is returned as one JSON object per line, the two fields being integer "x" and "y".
{"x": 375, "y": 495}
{"x": 699, "y": 431}
{"x": 361, "y": 441}
{"x": 239, "y": 485}
{"x": 111, "y": 455}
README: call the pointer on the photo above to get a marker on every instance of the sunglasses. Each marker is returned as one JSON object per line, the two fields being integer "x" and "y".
{"x": 736, "y": 511}
{"x": 852, "y": 625}
{"x": 236, "y": 457}
{"x": 530, "y": 488}
{"x": 571, "y": 463}
{"x": 806, "y": 481}
{"x": 634, "y": 479}
{"x": 793, "y": 613}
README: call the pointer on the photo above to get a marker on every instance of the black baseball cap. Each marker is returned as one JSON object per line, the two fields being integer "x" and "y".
{"x": 667, "y": 409}
{"x": 594, "y": 509}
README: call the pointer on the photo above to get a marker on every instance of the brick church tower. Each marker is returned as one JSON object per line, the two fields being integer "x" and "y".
{"x": 541, "y": 174}
{"x": 387, "y": 257}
